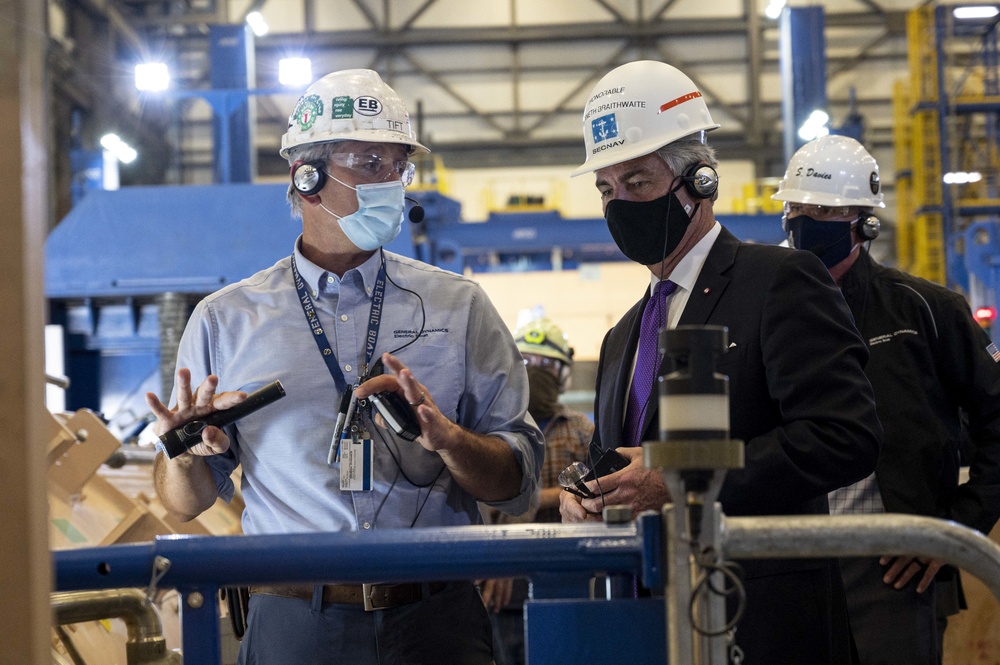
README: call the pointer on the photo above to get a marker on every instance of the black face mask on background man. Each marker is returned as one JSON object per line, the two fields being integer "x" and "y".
{"x": 830, "y": 241}
{"x": 543, "y": 393}
{"x": 647, "y": 231}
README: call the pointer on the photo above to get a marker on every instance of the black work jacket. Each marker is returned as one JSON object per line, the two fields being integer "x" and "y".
{"x": 931, "y": 367}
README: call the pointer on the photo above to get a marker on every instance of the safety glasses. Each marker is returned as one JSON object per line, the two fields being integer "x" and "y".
{"x": 369, "y": 168}
{"x": 821, "y": 213}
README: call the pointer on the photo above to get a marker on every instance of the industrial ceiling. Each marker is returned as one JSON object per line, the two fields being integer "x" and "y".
{"x": 490, "y": 84}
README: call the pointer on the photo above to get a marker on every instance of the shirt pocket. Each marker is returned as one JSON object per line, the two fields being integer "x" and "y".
{"x": 440, "y": 367}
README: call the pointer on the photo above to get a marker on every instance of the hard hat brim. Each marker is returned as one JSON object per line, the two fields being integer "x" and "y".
{"x": 635, "y": 151}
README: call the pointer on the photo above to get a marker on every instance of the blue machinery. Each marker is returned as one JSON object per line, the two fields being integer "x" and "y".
{"x": 561, "y": 624}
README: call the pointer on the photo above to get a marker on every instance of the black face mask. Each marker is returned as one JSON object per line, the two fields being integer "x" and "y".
{"x": 543, "y": 393}
{"x": 648, "y": 231}
{"x": 830, "y": 241}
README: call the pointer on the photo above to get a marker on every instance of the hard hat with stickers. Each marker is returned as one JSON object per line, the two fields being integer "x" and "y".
{"x": 350, "y": 105}
{"x": 638, "y": 108}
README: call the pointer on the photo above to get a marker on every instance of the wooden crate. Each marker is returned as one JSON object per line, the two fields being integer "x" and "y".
{"x": 973, "y": 636}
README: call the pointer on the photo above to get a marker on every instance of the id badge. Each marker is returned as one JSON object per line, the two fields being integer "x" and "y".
{"x": 357, "y": 464}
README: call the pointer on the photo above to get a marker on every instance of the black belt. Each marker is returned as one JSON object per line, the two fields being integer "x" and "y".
{"x": 372, "y": 596}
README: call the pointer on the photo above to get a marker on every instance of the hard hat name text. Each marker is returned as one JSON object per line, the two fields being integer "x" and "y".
{"x": 636, "y": 104}
{"x": 605, "y": 93}
{"x": 605, "y": 146}
{"x": 813, "y": 173}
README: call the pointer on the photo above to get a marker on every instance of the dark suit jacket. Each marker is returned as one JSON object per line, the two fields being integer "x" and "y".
{"x": 800, "y": 401}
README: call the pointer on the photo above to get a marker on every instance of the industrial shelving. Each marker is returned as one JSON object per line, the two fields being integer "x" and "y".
{"x": 947, "y": 121}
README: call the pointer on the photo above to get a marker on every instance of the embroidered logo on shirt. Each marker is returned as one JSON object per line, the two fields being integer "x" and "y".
{"x": 880, "y": 339}
{"x": 994, "y": 352}
{"x": 413, "y": 333}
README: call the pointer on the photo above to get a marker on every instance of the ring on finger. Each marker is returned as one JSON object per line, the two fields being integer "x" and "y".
{"x": 419, "y": 401}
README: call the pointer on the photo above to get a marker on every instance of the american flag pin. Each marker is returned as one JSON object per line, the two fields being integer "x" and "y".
{"x": 994, "y": 352}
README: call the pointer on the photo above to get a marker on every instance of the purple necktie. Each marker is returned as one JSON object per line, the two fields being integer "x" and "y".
{"x": 647, "y": 362}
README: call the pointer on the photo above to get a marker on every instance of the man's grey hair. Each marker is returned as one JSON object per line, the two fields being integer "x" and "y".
{"x": 680, "y": 155}
{"x": 309, "y": 152}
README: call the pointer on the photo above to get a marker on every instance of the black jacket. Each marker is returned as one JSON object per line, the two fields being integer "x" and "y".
{"x": 931, "y": 366}
{"x": 799, "y": 400}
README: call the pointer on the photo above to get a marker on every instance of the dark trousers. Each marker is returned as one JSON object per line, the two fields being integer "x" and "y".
{"x": 891, "y": 626}
{"x": 451, "y": 626}
{"x": 795, "y": 617}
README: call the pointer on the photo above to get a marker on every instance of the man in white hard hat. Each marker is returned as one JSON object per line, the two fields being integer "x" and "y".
{"x": 341, "y": 316}
{"x": 800, "y": 402}
{"x": 931, "y": 367}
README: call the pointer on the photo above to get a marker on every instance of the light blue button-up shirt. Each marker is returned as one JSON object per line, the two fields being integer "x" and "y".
{"x": 254, "y": 332}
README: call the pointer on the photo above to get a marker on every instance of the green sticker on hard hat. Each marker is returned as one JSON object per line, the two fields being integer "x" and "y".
{"x": 307, "y": 111}
{"x": 534, "y": 337}
{"x": 343, "y": 107}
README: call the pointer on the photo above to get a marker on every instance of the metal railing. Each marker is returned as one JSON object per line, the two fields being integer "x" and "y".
{"x": 560, "y": 559}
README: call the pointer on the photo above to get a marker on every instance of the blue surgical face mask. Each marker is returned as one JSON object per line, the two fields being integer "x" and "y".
{"x": 379, "y": 216}
{"x": 830, "y": 241}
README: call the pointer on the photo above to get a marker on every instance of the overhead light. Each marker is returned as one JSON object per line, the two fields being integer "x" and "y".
{"x": 976, "y": 11}
{"x": 773, "y": 9}
{"x": 295, "y": 72}
{"x": 257, "y": 23}
{"x": 125, "y": 153}
{"x": 962, "y": 177}
{"x": 815, "y": 126}
{"x": 152, "y": 76}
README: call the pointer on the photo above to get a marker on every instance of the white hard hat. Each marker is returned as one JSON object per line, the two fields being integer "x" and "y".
{"x": 832, "y": 171}
{"x": 638, "y": 108}
{"x": 349, "y": 105}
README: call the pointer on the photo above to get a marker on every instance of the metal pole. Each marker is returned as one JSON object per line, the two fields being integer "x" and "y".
{"x": 821, "y": 536}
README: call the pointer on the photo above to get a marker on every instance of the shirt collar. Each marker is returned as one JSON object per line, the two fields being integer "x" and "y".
{"x": 315, "y": 277}
{"x": 685, "y": 273}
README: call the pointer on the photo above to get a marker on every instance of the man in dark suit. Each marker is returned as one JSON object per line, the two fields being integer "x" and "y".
{"x": 799, "y": 398}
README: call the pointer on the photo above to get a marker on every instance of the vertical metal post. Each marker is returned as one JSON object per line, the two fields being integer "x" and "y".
{"x": 172, "y": 316}
{"x": 677, "y": 590}
{"x": 199, "y": 610}
{"x": 802, "y": 61}
{"x": 232, "y": 68}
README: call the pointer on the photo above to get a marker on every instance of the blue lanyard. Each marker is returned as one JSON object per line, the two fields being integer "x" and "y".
{"x": 374, "y": 321}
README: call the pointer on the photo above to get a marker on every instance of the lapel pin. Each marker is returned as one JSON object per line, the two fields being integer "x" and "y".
{"x": 707, "y": 291}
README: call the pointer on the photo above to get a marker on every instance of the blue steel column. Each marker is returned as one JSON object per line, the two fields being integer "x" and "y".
{"x": 802, "y": 59}
{"x": 232, "y": 67}
{"x": 201, "y": 640}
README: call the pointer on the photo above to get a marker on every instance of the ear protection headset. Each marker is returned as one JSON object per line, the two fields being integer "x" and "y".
{"x": 701, "y": 181}
{"x": 868, "y": 226}
{"x": 308, "y": 178}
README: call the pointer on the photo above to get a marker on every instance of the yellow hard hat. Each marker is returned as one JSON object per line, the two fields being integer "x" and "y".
{"x": 544, "y": 338}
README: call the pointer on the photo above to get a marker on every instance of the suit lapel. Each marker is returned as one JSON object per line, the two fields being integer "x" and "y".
{"x": 623, "y": 377}
{"x": 712, "y": 280}
{"x": 708, "y": 289}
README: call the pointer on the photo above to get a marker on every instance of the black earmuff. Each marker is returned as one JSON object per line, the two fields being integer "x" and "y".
{"x": 868, "y": 226}
{"x": 701, "y": 181}
{"x": 308, "y": 178}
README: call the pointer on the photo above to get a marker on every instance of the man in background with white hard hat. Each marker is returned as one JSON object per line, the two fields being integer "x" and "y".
{"x": 342, "y": 317}
{"x": 800, "y": 402}
{"x": 931, "y": 366}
